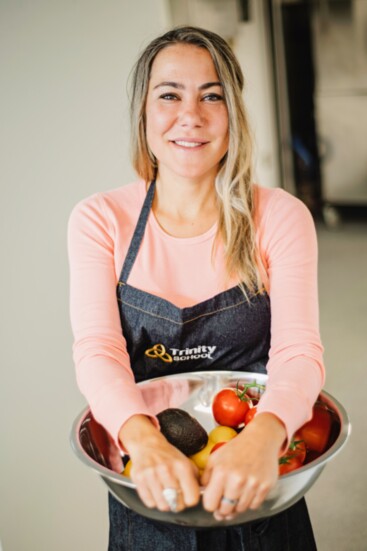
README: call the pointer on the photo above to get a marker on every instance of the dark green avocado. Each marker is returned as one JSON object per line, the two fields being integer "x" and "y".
{"x": 182, "y": 431}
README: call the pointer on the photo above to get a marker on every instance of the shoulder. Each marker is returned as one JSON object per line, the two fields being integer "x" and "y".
{"x": 276, "y": 209}
{"x": 283, "y": 222}
{"x": 109, "y": 207}
{"x": 273, "y": 203}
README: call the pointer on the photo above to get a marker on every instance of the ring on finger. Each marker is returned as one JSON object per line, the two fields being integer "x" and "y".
{"x": 171, "y": 496}
{"x": 229, "y": 501}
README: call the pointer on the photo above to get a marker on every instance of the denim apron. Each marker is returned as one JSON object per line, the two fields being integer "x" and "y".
{"x": 226, "y": 332}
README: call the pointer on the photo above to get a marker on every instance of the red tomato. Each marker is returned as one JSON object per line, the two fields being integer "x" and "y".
{"x": 288, "y": 464}
{"x": 297, "y": 448}
{"x": 294, "y": 457}
{"x": 250, "y": 415}
{"x": 217, "y": 445}
{"x": 316, "y": 432}
{"x": 230, "y": 407}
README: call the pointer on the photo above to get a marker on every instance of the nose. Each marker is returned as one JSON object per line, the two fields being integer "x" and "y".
{"x": 191, "y": 114}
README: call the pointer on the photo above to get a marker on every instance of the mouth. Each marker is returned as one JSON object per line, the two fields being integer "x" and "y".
{"x": 189, "y": 144}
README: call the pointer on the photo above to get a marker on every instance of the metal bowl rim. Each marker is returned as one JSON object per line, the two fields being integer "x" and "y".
{"x": 126, "y": 481}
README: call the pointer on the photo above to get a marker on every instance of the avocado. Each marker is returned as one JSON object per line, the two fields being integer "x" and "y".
{"x": 182, "y": 430}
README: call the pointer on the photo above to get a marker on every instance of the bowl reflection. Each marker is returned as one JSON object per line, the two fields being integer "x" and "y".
{"x": 193, "y": 392}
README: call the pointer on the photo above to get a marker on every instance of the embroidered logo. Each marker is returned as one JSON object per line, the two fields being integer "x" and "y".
{"x": 159, "y": 351}
{"x": 177, "y": 355}
{"x": 197, "y": 353}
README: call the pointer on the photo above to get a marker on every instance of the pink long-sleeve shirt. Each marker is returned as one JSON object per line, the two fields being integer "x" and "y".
{"x": 182, "y": 271}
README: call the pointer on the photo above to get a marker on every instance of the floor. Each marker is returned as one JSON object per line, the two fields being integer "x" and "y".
{"x": 338, "y": 499}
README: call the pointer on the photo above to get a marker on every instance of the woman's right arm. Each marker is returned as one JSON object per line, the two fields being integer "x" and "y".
{"x": 102, "y": 363}
{"x": 101, "y": 360}
{"x": 156, "y": 465}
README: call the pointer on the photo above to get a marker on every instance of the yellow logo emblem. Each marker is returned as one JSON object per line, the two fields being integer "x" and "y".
{"x": 159, "y": 351}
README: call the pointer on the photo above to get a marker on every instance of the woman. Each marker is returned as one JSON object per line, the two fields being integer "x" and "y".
{"x": 208, "y": 259}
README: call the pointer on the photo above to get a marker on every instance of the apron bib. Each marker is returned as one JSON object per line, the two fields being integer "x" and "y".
{"x": 226, "y": 332}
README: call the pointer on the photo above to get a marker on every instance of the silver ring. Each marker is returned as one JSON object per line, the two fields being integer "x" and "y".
{"x": 171, "y": 495}
{"x": 229, "y": 501}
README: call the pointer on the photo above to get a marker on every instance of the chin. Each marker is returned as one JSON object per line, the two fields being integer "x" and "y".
{"x": 195, "y": 173}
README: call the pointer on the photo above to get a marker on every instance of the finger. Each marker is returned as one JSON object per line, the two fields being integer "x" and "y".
{"x": 220, "y": 517}
{"x": 166, "y": 480}
{"x": 259, "y": 497}
{"x": 187, "y": 475}
{"x": 161, "y": 502}
{"x": 148, "y": 484}
{"x": 213, "y": 493}
{"x": 146, "y": 496}
{"x": 205, "y": 476}
{"x": 227, "y": 505}
{"x": 169, "y": 481}
{"x": 230, "y": 498}
{"x": 247, "y": 495}
{"x": 173, "y": 498}
{"x": 232, "y": 489}
{"x": 142, "y": 489}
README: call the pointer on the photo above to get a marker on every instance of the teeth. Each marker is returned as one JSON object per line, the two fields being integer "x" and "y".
{"x": 188, "y": 144}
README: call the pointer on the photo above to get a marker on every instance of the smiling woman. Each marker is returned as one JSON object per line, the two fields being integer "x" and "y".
{"x": 186, "y": 115}
{"x": 211, "y": 269}
{"x": 187, "y": 130}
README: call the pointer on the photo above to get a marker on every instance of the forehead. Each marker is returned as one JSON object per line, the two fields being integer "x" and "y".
{"x": 180, "y": 61}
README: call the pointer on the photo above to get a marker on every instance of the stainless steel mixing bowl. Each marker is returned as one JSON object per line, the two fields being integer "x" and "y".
{"x": 194, "y": 392}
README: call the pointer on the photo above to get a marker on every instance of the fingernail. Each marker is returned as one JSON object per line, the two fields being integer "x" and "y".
{"x": 220, "y": 517}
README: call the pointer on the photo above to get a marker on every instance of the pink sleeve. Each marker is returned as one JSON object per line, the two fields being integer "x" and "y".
{"x": 295, "y": 368}
{"x": 101, "y": 359}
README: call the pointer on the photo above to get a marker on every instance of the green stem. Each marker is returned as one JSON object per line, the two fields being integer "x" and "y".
{"x": 242, "y": 394}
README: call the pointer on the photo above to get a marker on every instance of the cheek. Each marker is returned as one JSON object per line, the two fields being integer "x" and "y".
{"x": 152, "y": 136}
{"x": 221, "y": 125}
{"x": 225, "y": 124}
{"x": 152, "y": 129}
{"x": 223, "y": 130}
{"x": 157, "y": 120}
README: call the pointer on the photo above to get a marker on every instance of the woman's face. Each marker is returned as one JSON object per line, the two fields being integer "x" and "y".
{"x": 186, "y": 116}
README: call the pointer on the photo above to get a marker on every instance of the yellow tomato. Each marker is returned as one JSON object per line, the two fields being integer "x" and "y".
{"x": 200, "y": 458}
{"x": 127, "y": 469}
{"x": 200, "y": 471}
{"x": 222, "y": 434}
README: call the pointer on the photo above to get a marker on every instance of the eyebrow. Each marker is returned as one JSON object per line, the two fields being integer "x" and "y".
{"x": 180, "y": 86}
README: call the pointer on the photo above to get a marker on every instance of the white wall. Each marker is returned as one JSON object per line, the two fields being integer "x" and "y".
{"x": 63, "y": 136}
{"x": 64, "y": 67}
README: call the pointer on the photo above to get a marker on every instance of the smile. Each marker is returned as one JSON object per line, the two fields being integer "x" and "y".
{"x": 183, "y": 143}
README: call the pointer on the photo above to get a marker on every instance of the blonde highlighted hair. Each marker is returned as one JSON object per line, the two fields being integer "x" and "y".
{"x": 234, "y": 180}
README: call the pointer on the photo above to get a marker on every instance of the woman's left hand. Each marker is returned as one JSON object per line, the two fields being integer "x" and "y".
{"x": 240, "y": 474}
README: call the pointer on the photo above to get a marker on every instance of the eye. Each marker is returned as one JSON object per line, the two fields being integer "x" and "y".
{"x": 169, "y": 96}
{"x": 213, "y": 97}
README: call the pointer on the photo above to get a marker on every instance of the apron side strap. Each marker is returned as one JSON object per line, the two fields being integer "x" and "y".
{"x": 138, "y": 234}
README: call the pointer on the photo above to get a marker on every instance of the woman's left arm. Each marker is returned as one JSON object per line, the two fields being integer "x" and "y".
{"x": 246, "y": 468}
{"x": 295, "y": 368}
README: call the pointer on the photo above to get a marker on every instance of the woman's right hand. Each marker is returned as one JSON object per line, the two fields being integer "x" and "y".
{"x": 157, "y": 465}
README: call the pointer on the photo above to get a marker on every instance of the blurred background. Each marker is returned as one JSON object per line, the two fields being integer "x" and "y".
{"x": 64, "y": 135}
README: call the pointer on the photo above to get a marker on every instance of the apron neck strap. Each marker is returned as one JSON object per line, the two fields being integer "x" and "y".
{"x": 138, "y": 234}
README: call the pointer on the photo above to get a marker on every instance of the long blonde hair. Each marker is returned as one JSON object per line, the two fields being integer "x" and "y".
{"x": 234, "y": 180}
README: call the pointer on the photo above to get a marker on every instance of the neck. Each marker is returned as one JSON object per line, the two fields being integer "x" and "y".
{"x": 185, "y": 208}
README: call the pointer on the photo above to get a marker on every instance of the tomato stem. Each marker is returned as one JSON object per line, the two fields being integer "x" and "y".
{"x": 284, "y": 460}
{"x": 242, "y": 394}
{"x": 294, "y": 444}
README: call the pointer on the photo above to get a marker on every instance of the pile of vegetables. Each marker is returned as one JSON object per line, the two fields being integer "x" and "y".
{"x": 233, "y": 409}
